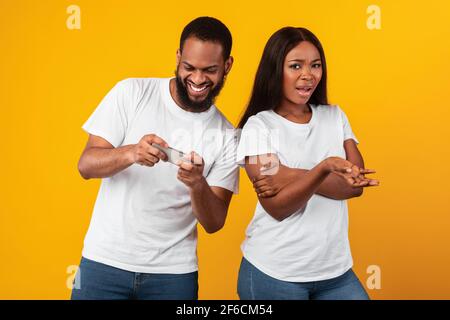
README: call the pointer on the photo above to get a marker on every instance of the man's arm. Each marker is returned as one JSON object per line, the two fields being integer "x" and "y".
{"x": 209, "y": 204}
{"x": 100, "y": 159}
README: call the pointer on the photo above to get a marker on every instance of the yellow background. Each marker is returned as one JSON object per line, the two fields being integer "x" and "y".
{"x": 393, "y": 84}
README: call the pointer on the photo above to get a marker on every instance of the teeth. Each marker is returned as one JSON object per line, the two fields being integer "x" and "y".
{"x": 197, "y": 89}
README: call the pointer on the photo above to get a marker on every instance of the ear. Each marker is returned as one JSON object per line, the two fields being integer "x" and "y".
{"x": 178, "y": 56}
{"x": 228, "y": 64}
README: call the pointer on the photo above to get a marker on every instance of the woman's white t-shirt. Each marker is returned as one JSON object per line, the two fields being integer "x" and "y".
{"x": 311, "y": 244}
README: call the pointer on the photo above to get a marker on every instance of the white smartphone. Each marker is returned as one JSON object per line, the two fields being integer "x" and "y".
{"x": 173, "y": 155}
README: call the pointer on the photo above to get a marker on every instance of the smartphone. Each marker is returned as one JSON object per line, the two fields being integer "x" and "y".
{"x": 173, "y": 155}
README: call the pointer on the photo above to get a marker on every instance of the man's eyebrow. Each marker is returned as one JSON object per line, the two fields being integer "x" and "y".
{"x": 301, "y": 60}
{"x": 206, "y": 68}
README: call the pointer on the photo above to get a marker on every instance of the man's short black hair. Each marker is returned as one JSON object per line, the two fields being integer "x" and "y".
{"x": 208, "y": 29}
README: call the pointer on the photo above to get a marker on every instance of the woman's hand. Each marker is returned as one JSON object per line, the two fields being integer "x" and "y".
{"x": 268, "y": 185}
{"x": 358, "y": 179}
{"x": 353, "y": 175}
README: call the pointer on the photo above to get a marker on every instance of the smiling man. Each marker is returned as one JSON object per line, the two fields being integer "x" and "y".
{"x": 142, "y": 239}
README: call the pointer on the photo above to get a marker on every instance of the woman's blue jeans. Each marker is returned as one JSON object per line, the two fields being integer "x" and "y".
{"x": 256, "y": 285}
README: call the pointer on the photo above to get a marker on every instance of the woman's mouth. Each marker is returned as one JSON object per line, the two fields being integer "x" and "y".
{"x": 305, "y": 91}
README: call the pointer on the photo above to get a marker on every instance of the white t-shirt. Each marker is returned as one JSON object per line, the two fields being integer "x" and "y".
{"x": 311, "y": 244}
{"x": 142, "y": 219}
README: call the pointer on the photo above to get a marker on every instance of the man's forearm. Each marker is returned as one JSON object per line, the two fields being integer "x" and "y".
{"x": 104, "y": 162}
{"x": 209, "y": 209}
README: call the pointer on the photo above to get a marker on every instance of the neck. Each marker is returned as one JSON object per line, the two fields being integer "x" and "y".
{"x": 296, "y": 110}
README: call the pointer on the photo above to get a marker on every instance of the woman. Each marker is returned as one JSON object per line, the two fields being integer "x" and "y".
{"x": 302, "y": 157}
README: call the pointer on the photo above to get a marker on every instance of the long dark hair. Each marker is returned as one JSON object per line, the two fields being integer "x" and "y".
{"x": 267, "y": 90}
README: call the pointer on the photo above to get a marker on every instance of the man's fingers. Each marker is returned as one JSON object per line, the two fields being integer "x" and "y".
{"x": 145, "y": 162}
{"x": 184, "y": 173}
{"x": 185, "y": 165}
{"x": 152, "y": 159}
{"x": 180, "y": 176}
{"x": 153, "y": 138}
{"x": 194, "y": 158}
{"x": 156, "y": 152}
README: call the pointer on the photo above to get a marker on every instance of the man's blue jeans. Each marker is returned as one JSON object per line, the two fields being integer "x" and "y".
{"x": 256, "y": 285}
{"x": 97, "y": 281}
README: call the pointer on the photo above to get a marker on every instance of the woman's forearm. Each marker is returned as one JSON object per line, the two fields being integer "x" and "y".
{"x": 296, "y": 194}
{"x": 333, "y": 186}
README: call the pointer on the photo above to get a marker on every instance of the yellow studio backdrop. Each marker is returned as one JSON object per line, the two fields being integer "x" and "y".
{"x": 388, "y": 64}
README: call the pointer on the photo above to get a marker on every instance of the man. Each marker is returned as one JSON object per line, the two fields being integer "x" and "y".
{"x": 141, "y": 242}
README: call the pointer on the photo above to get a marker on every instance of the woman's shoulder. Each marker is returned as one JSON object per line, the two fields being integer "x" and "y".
{"x": 328, "y": 110}
{"x": 261, "y": 120}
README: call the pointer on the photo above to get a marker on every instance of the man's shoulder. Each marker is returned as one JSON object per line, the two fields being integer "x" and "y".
{"x": 222, "y": 119}
{"x": 141, "y": 83}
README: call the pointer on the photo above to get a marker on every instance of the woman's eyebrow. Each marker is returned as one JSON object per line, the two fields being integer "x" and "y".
{"x": 302, "y": 60}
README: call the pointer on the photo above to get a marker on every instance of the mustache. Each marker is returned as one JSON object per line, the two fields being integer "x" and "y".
{"x": 207, "y": 83}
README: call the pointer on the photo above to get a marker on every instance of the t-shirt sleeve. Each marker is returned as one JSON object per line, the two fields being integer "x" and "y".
{"x": 110, "y": 118}
{"x": 224, "y": 172}
{"x": 348, "y": 132}
{"x": 255, "y": 139}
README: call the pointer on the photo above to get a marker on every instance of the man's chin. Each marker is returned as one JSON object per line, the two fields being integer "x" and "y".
{"x": 201, "y": 105}
{"x": 196, "y": 100}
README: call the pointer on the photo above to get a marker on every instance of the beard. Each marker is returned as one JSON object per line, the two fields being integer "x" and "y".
{"x": 196, "y": 106}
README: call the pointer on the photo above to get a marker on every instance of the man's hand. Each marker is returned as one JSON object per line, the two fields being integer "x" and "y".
{"x": 191, "y": 171}
{"x": 145, "y": 154}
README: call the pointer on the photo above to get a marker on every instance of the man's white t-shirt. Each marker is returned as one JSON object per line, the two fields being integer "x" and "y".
{"x": 142, "y": 219}
{"x": 311, "y": 244}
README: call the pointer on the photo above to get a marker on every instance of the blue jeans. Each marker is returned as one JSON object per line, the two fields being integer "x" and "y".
{"x": 256, "y": 285}
{"x": 97, "y": 281}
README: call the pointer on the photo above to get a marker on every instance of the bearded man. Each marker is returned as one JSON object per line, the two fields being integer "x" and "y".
{"x": 142, "y": 239}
